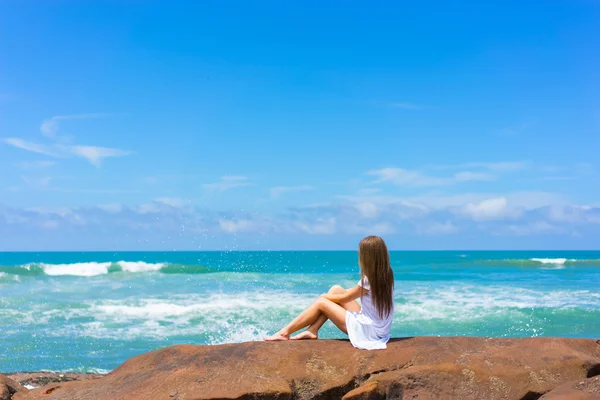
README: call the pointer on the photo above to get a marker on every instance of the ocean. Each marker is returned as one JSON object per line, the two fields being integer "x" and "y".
{"x": 89, "y": 312}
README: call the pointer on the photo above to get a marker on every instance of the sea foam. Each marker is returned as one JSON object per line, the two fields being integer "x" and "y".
{"x": 76, "y": 269}
{"x": 557, "y": 261}
{"x": 93, "y": 268}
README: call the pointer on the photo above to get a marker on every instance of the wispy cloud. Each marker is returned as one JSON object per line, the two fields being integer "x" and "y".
{"x": 428, "y": 176}
{"x": 227, "y": 182}
{"x": 242, "y": 225}
{"x": 489, "y": 209}
{"x": 404, "y": 177}
{"x": 437, "y": 228}
{"x": 427, "y": 202}
{"x": 279, "y": 190}
{"x": 174, "y": 201}
{"x": 406, "y": 106}
{"x": 501, "y": 166}
{"x": 49, "y": 128}
{"x": 95, "y": 154}
{"x": 163, "y": 219}
{"x": 30, "y": 146}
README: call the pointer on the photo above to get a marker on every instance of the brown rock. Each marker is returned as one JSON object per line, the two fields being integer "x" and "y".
{"x": 39, "y": 379}
{"x": 588, "y": 389}
{"x": 424, "y": 368}
{"x": 8, "y": 388}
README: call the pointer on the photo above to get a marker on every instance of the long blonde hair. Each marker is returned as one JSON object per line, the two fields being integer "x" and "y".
{"x": 374, "y": 261}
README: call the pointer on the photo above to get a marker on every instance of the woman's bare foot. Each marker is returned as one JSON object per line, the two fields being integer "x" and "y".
{"x": 278, "y": 337}
{"x": 306, "y": 335}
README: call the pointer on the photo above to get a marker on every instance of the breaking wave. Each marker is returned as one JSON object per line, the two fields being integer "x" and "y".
{"x": 88, "y": 269}
{"x": 544, "y": 262}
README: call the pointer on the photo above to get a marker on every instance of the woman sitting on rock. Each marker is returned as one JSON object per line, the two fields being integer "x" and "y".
{"x": 368, "y": 327}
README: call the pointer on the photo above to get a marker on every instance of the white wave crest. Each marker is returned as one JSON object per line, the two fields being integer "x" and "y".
{"x": 161, "y": 309}
{"x": 81, "y": 370}
{"x": 88, "y": 269}
{"x": 556, "y": 261}
{"x": 76, "y": 269}
{"x": 467, "y": 303}
{"x": 139, "y": 266}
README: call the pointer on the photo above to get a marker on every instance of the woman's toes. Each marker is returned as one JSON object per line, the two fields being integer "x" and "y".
{"x": 306, "y": 335}
{"x": 276, "y": 338}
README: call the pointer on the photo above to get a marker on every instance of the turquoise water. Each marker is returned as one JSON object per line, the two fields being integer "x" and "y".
{"x": 92, "y": 311}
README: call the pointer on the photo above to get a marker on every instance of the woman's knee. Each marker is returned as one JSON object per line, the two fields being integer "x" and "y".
{"x": 322, "y": 303}
{"x": 336, "y": 289}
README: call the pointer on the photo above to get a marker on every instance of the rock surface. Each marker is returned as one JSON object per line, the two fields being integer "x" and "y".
{"x": 9, "y": 387}
{"x": 39, "y": 379}
{"x": 413, "y": 368}
{"x": 588, "y": 389}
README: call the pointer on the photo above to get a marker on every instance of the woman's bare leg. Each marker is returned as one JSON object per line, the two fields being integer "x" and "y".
{"x": 335, "y": 312}
{"x": 312, "y": 333}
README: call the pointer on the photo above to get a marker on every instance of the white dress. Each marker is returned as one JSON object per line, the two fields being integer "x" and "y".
{"x": 366, "y": 329}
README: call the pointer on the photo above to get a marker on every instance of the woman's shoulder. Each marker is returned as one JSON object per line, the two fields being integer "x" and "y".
{"x": 364, "y": 283}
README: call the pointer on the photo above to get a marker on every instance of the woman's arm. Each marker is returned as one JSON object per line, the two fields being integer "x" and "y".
{"x": 348, "y": 295}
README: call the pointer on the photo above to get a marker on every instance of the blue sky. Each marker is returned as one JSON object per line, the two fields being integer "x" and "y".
{"x": 272, "y": 125}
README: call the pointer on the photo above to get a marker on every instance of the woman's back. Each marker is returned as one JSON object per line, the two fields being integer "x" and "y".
{"x": 381, "y": 324}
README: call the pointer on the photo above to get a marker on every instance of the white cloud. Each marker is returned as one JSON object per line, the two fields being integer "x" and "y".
{"x": 367, "y": 209}
{"x": 49, "y": 224}
{"x": 242, "y": 225}
{"x": 499, "y": 166}
{"x": 30, "y": 146}
{"x": 419, "y": 205}
{"x": 148, "y": 208}
{"x": 535, "y": 228}
{"x": 381, "y": 228}
{"x": 365, "y": 229}
{"x": 505, "y": 166}
{"x": 574, "y": 214}
{"x": 321, "y": 226}
{"x": 227, "y": 182}
{"x": 495, "y": 208}
{"x": 438, "y": 228}
{"x": 60, "y": 211}
{"x": 404, "y": 177}
{"x": 162, "y": 221}
{"x": 112, "y": 208}
{"x": 173, "y": 201}
{"x": 50, "y": 126}
{"x": 279, "y": 190}
{"x": 95, "y": 154}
